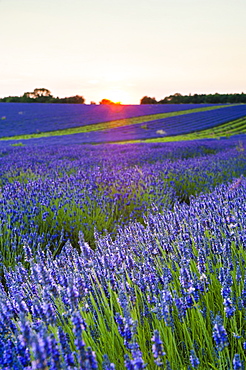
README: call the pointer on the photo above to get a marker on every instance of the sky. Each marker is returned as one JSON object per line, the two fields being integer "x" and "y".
{"x": 122, "y": 50}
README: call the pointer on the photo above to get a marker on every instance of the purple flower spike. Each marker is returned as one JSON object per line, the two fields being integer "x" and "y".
{"x": 237, "y": 363}
{"x": 157, "y": 348}
{"x": 220, "y": 335}
{"x": 194, "y": 359}
{"x": 107, "y": 365}
{"x": 228, "y": 307}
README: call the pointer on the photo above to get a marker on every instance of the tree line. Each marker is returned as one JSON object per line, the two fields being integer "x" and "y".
{"x": 197, "y": 99}
{"x": 42, "y": 95}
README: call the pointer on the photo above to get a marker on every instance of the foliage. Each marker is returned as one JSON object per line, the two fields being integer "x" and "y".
{"x": 148, "y": 100}
{"x": 42, "y": 95}
{"x": 216, "y": 98}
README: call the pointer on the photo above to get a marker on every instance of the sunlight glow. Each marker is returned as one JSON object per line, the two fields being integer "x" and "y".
{"x": 116, "y": 95}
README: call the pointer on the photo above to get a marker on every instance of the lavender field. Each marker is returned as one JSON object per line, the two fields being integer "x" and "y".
{"x": 114, "y": 124}
{"x": 124, "y": 256}
{"x": 24, "y": 118}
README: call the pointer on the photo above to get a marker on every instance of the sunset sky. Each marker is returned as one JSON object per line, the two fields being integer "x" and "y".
{"x": 122, "y": 49}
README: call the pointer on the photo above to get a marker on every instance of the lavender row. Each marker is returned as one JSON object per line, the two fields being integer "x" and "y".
{"x": 168, "y": 295}
{"x": 83, "y": 140}
{"x": 24, "y": 118}
{"x": 49, "y": 194}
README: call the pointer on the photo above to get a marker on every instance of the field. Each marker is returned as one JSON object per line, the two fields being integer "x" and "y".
{"x": 119, "y": 124}
{"x": 128, "y": 254}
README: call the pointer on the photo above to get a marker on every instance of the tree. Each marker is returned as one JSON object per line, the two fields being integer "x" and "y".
{"x": 107, "y": 101}
{"x": 39, "y": 95}
{"x": 148, "y": 100}
{"x": 77, "y": 99}
{"x": 41, "y": 92}
{"x": 28, "y": 95}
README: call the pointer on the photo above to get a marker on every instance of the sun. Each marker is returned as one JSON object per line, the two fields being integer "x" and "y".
{"x": 116, "y": 95}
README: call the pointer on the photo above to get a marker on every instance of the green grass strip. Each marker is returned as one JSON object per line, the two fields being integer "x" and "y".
{"x": 111, "y": 124}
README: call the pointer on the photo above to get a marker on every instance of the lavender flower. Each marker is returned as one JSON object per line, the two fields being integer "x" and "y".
{"x": 65, "y": 348}
{"x": 229, "y": 308}
{"x": 168, "y": 365}
{"x": 185, "y": 277}
{"x": 220, "y": 335}
{"x": 194, "y": 359}
{"x": 91, "y": 362}
{"x": 157, "y": 348}
{"x": 126, "y": 327}
{"x": 226, "y": 291}
{"x": 107, "y": 365}
{"x": 237, "y": 363}
{"x": 136, "y": 363}
{"x": 79, "y": 326}
{"x": 181, "y": 307}
{"x": 128, "y": 363}
{"x": 41, "y": 352}
{"x": 8, "y": 358}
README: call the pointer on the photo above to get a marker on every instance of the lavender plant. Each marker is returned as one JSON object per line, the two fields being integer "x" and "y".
{"x": 153, "y": 296}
